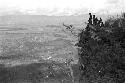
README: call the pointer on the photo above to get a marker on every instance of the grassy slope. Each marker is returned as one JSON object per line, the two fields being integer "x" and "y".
{"x": 35, "y": 73}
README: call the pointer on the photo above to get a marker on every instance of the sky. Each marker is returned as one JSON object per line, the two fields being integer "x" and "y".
{"x": 61, "y": 7}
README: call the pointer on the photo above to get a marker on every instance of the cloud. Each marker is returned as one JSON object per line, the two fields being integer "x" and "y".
{"x": 118, "y": 3}
{"x": 63, "y": 6}
{"x": 115, "y": 6}
{"x": 112, "y": 1}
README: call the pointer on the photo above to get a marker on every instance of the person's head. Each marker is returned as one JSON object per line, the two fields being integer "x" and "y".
{"x": 89, "y": 13}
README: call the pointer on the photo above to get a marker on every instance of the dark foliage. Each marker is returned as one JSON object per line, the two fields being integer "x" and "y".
{"x": 102, "y": 51}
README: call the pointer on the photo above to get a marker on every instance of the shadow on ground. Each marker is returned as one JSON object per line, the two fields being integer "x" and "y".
{"x": 36, "y": 73}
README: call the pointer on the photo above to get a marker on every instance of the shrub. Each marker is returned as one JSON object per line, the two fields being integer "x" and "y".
{"x": 102, "y": 51}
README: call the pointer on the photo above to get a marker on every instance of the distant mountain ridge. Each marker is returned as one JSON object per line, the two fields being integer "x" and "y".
{"x": 44, "y": 19}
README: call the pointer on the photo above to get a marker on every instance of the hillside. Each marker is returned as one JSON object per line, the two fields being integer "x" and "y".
{"x": 34, "y": 40}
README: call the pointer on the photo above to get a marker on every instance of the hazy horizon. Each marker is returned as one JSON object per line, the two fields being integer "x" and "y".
{"x": 60, "y": 7}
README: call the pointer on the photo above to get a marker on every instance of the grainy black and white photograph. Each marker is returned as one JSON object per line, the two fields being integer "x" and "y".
{"x": 62, "y": 41}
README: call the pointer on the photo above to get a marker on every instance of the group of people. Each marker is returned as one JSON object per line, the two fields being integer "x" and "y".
{"x": 94, "y": 20}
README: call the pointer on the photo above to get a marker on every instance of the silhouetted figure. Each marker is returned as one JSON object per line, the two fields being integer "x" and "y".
{"x": 90, "y": 15}
{"x": 94, "y": 19}
{"x": 102, "y": 24}
{"x": 100, "y": 21}
{"x": 90, "y": 18}
{"x": 87, "y": 28}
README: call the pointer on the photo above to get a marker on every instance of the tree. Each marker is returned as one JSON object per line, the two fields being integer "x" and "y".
{"x": 102, "y": 51}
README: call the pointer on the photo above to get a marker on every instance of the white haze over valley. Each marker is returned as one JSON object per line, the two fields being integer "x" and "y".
{"x": 60, "y": 7}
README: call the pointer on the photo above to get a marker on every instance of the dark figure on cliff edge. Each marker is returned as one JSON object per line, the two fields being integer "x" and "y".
{"x": 90, "y": 18}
